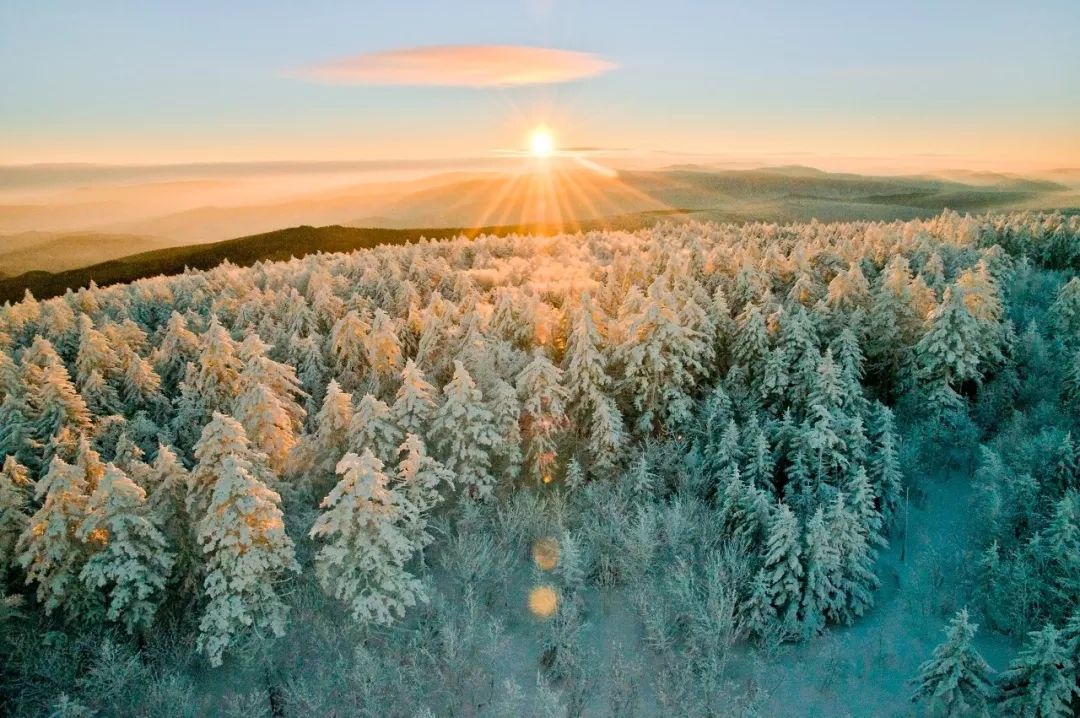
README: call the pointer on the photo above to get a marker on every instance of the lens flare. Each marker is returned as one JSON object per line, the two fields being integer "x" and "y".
{"x": 543, "y": 601}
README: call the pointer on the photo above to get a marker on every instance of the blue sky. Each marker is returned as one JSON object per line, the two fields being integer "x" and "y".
{"x": 947, "y": 84}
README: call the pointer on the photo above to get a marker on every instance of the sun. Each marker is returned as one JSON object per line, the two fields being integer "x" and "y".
{"x": 541, "y": 142}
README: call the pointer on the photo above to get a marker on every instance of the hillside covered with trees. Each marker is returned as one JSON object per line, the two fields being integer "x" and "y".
{"x": 606, "y": 473}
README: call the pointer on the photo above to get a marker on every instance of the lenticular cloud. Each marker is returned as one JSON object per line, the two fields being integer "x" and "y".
{"x": 461, "y": 66}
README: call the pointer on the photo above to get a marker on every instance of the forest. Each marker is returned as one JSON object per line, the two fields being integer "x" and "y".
{"x": 693, "y": 469}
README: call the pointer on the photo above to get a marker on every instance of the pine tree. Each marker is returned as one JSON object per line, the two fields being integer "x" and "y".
{"x": 1040, "y": 681}
{"x": 661, "y": 360}
{"x": 419, "y": 476}
{"x": 383, "y": 348}
{"x": 167, "y": 501}
{"x": 134, "y": 561}
{"x": 1066, "y": 312}
{"x": 54, "y": 404}
{"x": 372, "y": 428}
{"x": 759, "y": 458}
{"x": 246, "y": 550}
{"x": 15, "y": 490}
{"x": 1070, "y": 392}
{"x": 575, "y": 475}
{"x": 330, "y": 439}
{"x": 607, "y": 438}
{"x": 506, "y": 456}
{"x": 140, "y": 385}
{"x": 347, "y": 343}
{"x": 179, "y": 345}
{"x": 465, "y": 434}
{"x": 854, "y": 581}
{"x": 1060, "y": 542}
{"x": 757, "y": 614}
{"x": 956, "y": 680}
{"x": 948, "y": 354}
{"x": 48, "y": 549}
{"x": 825, "y": 420}
{"x": 884, "y": 468}
{"x": 585, "y": 379}
{"x": 415, "y": 404}
{"x": 751, "y": 345}
{"x": 267, "y": 423}
{"x": 363, "y": 559}
{"x": 821, "y": 558}
{"x": 217, "y": 372}
{"x": 221, "y": 439}
{"x": 783, "y": 565}
{"x": 1065, "y": 474}
{"x": 279, "y": 377}
{"x": 543, "y": 415}
{"x": 16, "y": 431}
{"x": 94, "y": 354}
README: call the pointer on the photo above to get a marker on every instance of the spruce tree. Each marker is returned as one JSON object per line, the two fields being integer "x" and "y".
{"x": 15, "y": 491}
{"x": 465, "y": 434}
{"x": 1040, "y": 682}
{"x": 372, "y": 428}
{"x": 783, "y": 566}
{"x": 948, "y": 354}
{"x": 821, "y": 559}
{"x": 957, "y": 680}
{"x": 134, "y": 561}
{"x": 246, "y": 553}
{"x": 48, "y": 549}
{"x": 415, "y": 403}
{"x": 364, "y": 526}
{"x": 330, "y": 439}
{"x": 543, "y": 415}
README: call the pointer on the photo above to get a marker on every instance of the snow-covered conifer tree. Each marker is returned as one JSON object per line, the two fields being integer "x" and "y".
{"x": 661, "y": 359}
{"x": 584, "y": 376}
{"x": 415, "y": 403}
{"x": 1065, "y": 473}
{"x": 464, "y": 433}
{"x": 222, "y": 438}
{"x": 267, "y": 423}
{"x": 372, "y": 428}
{"x": 245, "y": 548}
{"x": 347, "y": 343}
{"x": 543, "y": 415}
{"x": 134, "y": 561}
{"x": 821, "y": 559}
{"x": 884, "y": 466}
{"x": 854, "y": 580}
{"x": 948, "y": 354}
{"x": 783, "y": 565}
{"x": 363, "y": 525}
{"x": 15, "y": 490}
{"x": 957, "y": 680}
{"x": 419, "y": 476}
{"x": 1041, "y": 680}
{"x": 330, "y": 440}
{"x": 383, "y": 348}
{"x": 1060, "y": 542}
{"x": 49, "y": 551}
{"x": 606, "y": 438}
{"x": 179, "y": 345}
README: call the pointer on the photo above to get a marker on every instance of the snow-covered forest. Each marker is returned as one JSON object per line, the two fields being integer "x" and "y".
{"x": 609, "y": 473}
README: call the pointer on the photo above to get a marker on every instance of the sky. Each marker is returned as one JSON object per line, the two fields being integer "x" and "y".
{"x": 839, "y": 85}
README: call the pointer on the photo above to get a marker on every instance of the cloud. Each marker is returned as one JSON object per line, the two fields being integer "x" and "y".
{"x": 460, "y": 66}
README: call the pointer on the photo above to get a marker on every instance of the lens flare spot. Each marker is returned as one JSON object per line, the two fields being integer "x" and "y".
{"x": 545, "y": 553}
{"x": 543, "y": 601}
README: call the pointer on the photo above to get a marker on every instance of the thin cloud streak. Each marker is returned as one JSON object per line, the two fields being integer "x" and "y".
{"x": 460, "y": 66}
